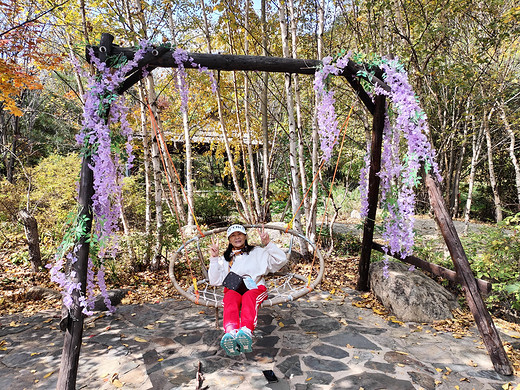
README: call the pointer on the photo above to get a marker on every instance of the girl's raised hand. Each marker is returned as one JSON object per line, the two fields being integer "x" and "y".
{"x": 264, "y": 236}
{"x": 213, "y": 249}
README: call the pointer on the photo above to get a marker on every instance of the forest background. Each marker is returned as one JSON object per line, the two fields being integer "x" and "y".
{"x": 249, "y": 150}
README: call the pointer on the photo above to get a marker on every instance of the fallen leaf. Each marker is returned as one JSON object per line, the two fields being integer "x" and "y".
{"x": 151, "y": 326}
{"x": 281, "y": 324}
{"x": 140, "y": 340}
{"x": 464, "y": 379}
{"x": 48, "y": 375}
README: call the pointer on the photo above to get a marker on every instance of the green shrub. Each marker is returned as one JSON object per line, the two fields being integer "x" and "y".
{"x": 54, "y": 192}
{"x": 213, "y": 206}
{"x": 134, "y": 199}
{"x": 494, "y": 254}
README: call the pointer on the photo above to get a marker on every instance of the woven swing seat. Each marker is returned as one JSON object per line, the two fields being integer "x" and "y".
{"x": 282, "y": 286}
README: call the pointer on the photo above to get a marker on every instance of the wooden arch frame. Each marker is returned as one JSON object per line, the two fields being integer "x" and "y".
{"x": 161, "y": 57}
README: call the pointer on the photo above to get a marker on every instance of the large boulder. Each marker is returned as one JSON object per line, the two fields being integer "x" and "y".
{"x": 115, "y": 296}
{"x": 410, "y": 295}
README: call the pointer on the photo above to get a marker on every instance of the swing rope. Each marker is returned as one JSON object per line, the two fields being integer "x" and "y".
{"x": 161, "y": 142}
{"x": 334, "y": 175}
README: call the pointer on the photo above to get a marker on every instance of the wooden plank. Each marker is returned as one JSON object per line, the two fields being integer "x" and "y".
{"x": 162, "y": 57}
{"x": 378, "y": 124}
{"x": 483, "y": 286}
{"x": 476, "y": 304}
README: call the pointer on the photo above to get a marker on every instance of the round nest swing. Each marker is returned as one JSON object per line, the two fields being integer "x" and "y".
{"x": 288, "y": 284}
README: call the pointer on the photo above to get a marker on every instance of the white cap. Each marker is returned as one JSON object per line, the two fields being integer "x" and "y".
{"x": 235, "y": 228}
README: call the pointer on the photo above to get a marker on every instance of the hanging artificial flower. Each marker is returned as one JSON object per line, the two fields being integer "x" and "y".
{"x": 405, "y": 133}
{"x": 107, "y": 137}
{"x": 327, "y": 121}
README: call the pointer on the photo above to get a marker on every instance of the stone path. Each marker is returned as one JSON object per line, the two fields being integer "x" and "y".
{"x": 317, "y": 342}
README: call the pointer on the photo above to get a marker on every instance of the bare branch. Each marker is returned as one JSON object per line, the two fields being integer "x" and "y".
{"x": 34, "y": 19}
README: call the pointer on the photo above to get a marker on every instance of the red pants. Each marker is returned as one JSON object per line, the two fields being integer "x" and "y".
{"x": 242, "y": 310}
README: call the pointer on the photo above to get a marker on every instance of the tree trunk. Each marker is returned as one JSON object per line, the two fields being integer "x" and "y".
{"x": 313, "y": 204}
{"x": 512, "y": 155}
{"x": 254, "y": 181}
{"x": 127, "y": 235}
{"x": 146, "y": 164}
{"x": 297, "y": 106}
{"x": 293, "y": 153}
{"x": 243, "y": 203}
{"x": 157, "y": 176}
{"x": 491, "y": 167}
{"x": 187, "y": 142}
{"x": 265, "y": 122}
{"x": 476, "y": 147}
{"x": 251, "y": 210}
{"x": 30, "y": 226}
{"x": 456, "y": 180}
{"x": 11, "y": 157}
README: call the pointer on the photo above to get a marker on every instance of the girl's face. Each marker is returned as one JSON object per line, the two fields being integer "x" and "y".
{"x": 237, "y": 239}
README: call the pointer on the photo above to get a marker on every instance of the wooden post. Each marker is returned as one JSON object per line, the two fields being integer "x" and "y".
{"x": 378, "y": 125}
{"x": 72, "y": 324}
{"x": 483, "y": 286}
{"x": 482, "y": 317}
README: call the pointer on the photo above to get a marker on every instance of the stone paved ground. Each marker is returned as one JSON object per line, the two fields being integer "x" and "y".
{"x": 313, "y": 343}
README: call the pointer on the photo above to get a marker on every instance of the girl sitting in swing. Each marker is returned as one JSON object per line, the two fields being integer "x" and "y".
{"x": 241, "y": 271}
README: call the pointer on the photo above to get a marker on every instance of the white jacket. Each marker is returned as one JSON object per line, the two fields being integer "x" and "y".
{"x": 258, "y": 263}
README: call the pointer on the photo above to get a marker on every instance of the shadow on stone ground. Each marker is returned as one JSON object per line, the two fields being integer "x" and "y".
{"x": 318, "y": 342}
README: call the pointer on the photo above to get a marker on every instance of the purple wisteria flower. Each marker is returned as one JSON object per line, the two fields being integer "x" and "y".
{"x": 405, "y": 148}
{"x": 181, "y": 56}
{"x": 104, "y": 121}
{"x": 405, "y": 133}
{"x": 327, "y": 120}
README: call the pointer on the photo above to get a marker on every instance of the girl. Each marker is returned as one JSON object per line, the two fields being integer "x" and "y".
{"x": 251, "y": 264}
